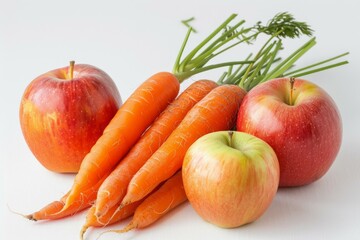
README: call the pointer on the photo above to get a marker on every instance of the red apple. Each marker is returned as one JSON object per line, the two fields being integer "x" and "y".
{"x": 230, "y": 178}
{"x": 300, "y": 121}
{"x": 64, "y": 111}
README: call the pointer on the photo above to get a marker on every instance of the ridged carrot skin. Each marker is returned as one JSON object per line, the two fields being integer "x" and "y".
{"x": 114, "y": 187}
{"x": 170, "y": 195}
{"x": 215, "y": 112}
{"x": 124, "y": 130}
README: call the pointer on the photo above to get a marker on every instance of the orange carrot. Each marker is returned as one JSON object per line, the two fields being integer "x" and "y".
{"x": 114, "y": 187}
{"x": 128, "y": 124}
{"x": 54, "y": 210}
{"x": 46, "y": 212}
{"x": 112, "y": 216}
{"x": 170, "y": 195}
{"x": 147, "y": 102}
{"x": 217, "y": 111}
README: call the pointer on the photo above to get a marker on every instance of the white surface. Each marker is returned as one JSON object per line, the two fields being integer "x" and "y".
{"x": 133, "y": 40}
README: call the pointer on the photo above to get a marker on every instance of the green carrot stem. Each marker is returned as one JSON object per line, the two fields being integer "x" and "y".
{"x": 232, "y": 75}
{"x": 207, "y": 39}
{"x": 256, "y": 68}
{"x": 273, "y": 57}
{"x": 289, "y": 61}
{"x": 228, "y": 34}
{"x": 181, "y": 76}
{"x": 301, "y": 74}
{"x": 208, "y": 53}
{"x": 259, "y": 54}
{"x": 178, "y": 58}
{"x": 316, "y": 64}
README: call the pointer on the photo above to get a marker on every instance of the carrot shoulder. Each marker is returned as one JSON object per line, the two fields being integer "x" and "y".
{"x": 217, "y": 111}
{"x": 114, "y": 187}
{"x": 128, "y": 124}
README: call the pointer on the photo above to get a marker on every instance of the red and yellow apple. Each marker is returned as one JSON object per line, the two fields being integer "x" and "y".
{"x": 230, "y": 178}
{"x": 64, "y": 111}
{"x": 300, "y": 121}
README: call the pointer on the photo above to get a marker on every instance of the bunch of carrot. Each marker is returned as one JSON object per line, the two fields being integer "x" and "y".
{"x": 135, "y": 166}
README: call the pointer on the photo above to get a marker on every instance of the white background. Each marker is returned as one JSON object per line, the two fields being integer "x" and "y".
{"x": 132, "y": 40}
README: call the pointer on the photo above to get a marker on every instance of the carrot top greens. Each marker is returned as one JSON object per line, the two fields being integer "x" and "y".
{"x": 266, "y": 64}
{"x": 284, "y": 25}
{"x": 227, "y": 36}
{"x": 255, "y": 68}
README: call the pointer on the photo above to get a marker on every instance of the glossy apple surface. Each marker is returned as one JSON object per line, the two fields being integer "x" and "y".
{"x": 230, "y": 178}
{"x": 62, "y": 116}
{"x": 305, "y": 130}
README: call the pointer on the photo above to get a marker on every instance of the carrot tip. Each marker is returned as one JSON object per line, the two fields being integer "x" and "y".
{"x": 30, "y": 217}
{"x": 82, "y": 231}
{"x": 98, "y": 214}
{"x": 27, "y": 216}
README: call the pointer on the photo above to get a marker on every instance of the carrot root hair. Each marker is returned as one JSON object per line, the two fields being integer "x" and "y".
{"x": 27, "y": 216}
{"x": 84, "y": 228}
{"x": 123, "y": 204}
{"x": 132, "y": 225}
{"x": 112, "y": 216}
{"x": 98, "y": 218}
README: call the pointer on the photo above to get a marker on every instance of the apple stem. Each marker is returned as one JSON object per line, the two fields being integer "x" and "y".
{"x": 71, "y": 70}
{"x": 292, "y": 81}
{"x": 231, "y": 133}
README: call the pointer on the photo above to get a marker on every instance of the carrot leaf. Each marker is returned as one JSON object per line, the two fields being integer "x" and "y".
{"x": 231, "y": 33}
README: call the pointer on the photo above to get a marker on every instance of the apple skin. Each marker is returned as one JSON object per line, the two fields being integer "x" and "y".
{"x": 62, "y": 118}
{"x": 305, "y": 135}
{"x": 230, "y": 183}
